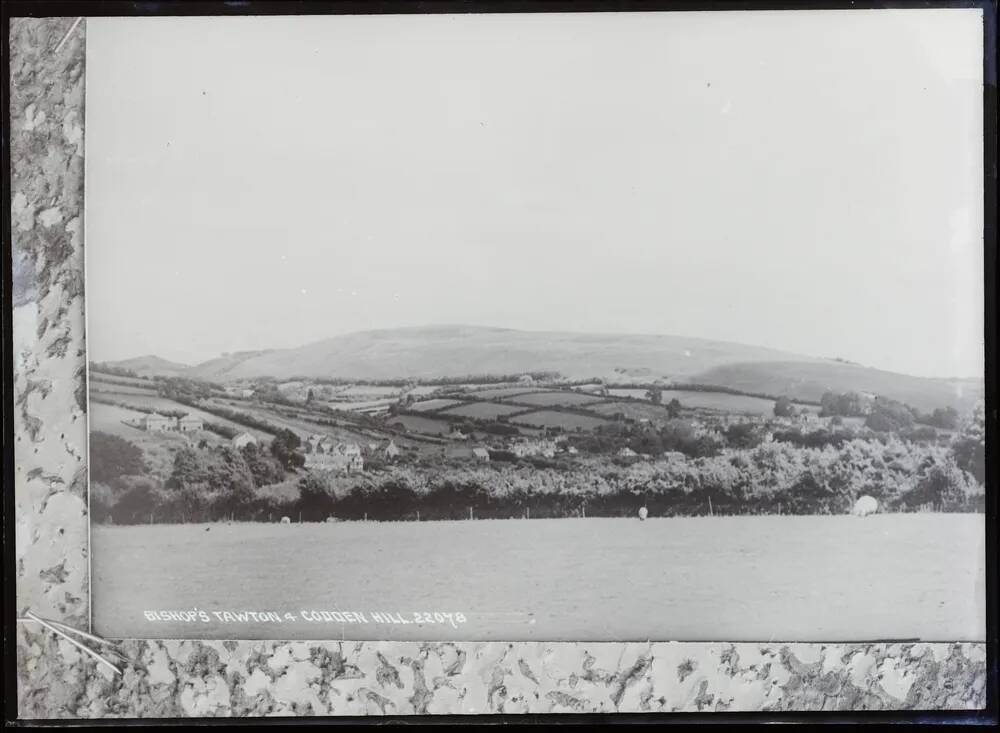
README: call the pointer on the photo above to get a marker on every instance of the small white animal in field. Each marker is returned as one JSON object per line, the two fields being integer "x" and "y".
{"x": 864, "y": 506}
{"x": 286, "y": 520}
{"x": 332, "y": 519}
{"x": 643, "y": 513}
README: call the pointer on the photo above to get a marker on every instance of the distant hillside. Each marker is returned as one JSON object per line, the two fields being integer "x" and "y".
{"x": 226, "y": 366}
{"x": 809, "y": 380}
{"x": 151, "y": 366}
{"x": 460, "y": 351}
{"x": 457, "y": 351}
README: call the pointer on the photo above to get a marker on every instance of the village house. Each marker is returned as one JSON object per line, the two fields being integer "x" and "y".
{"x": 241, "y": 441}
{"x": 154, "y": 423}
{"x": 189, "y": 423}
{"x": 326, "y": 453}
{"x": 392, "y": 451}
{"x": 627, "y": 452}
{"x": 480, "y": 454}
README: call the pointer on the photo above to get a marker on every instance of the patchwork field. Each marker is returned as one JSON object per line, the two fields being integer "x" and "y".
{"x": 564, "y": 420}
{"x": 431, "y": 405}
{"x": 483, "y": 410}
{"x": 425, "y": 425}
{"x": 895, "y": 576}
{"x": 720, "y": 401}
{"x": 501, "y": 392}
{"x": 368, "y": 390}
{"x": 552, "y": 399}
{"x": 124, "y": 389}
{"x": 631, "y": 410}
{"x": 115, "y": 379}
{"x": 164, "y": 405}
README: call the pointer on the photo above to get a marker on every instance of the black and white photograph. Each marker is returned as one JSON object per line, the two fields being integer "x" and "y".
{"x": 537, "y": 327}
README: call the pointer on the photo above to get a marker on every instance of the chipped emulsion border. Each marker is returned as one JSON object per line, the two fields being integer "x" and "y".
{"x": 173, "y": 678}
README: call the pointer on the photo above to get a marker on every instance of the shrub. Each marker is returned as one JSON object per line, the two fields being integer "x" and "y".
{"x": 112, "y": 457}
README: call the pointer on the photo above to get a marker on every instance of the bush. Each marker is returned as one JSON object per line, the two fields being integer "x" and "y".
{"x": 783, "y": 407}
{"x": 742, "y": 435}
{"x": 112, "y": 457}
{"x": 138, "y": 502}
{"x": 890, "y": 416}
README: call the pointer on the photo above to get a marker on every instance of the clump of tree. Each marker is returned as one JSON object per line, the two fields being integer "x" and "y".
{"x": 112, "y": 457}
{"x": 743, "y": 435}
{"x": 116, "y": 468}
{"x": 847, "y": 404}
{"x": 969, "y": 446}
{"x": 783, "y": 407}
{"x": 890, "y": 416}
{"x": 946, "y": 418}
{"x": 117, "y": 371}
{"x": 184, "y": 390}
{"x": 285, "y": 448}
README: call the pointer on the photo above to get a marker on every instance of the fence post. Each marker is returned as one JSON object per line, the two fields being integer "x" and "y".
{"x": 418, "y": 515}
{"x": 470, "y": 513}
{"x": 710, "y": 513}
{"x": 528, "y": 512}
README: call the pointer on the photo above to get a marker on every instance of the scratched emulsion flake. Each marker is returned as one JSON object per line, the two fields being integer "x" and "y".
{"x": 229, "y": 678}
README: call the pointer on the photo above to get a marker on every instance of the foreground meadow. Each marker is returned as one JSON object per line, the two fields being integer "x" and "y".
{"x": 788, "y": 578}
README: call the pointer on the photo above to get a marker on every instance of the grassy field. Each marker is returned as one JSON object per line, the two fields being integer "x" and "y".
{"x": 494, "y": 393}
{"x": 435, "y": 404}
{"x": 164, "y": 404}
{"x": 123, "y": 389}
{"x": 897, "y": 576}
{"x": 632, "y": 410}
{"x": 158, "y": 448}
{"x": 552, "y": 419}
{"x": 721, "y": 401}
{"x": 369, "y": 390}
{"x": 548, "y": 399}
{"x": 482, "y": 410}
{"x": 425, "y": 425}
{"x": 110, "y": 379}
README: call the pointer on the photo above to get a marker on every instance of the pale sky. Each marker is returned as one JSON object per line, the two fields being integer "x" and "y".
{"x": 809, "y": 181}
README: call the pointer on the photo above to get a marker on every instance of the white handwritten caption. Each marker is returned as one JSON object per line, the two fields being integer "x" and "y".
{"x": 340, "y": 617}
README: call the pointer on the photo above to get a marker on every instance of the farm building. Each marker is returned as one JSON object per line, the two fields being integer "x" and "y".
{"x": 627, "y": 452}
{"x": 189, "y": 423}
{"x": 481, "y": 454}
{"x": 242, "y": 440}
{"x": 154, "y": 422}
{"x": 392, "y": 451}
